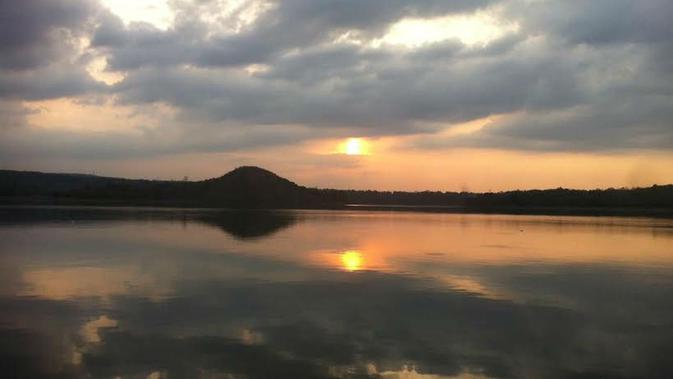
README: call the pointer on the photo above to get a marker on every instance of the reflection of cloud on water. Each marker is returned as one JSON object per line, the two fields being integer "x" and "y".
{"x": 357, "y": 322}
{"x": 90, "y": 330}
{"x": 409, "y": 372}
{"x": 76, "y": 282}
{"x": 470, "y": 285}
{"x": 297, "y": 311}
{"x": 90, "y": 335}
{"x": 157, "y": 375}
{"x": 251, "y": 337}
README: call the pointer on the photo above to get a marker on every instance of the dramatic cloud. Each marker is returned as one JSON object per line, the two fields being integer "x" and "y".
{"x": 565, "y": 76}
{"x": 40, "y": 48}
{"x": 34, "y": 32}
{"x": 46, "y": 83}
{"x": 287, "y": 25}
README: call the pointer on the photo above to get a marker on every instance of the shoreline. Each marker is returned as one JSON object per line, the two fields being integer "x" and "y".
{"x": 402, "y": 208}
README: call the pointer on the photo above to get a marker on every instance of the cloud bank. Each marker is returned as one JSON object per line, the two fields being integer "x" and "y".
{"x": 562, "y": 76}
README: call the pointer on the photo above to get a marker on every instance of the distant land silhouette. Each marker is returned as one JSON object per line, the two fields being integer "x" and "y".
{"x": 254, "y": 187}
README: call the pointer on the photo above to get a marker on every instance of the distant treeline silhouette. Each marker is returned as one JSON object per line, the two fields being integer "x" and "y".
{"x": 253, "y": 187}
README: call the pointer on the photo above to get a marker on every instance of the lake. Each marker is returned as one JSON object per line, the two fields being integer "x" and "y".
{"x": 188, "y": 293}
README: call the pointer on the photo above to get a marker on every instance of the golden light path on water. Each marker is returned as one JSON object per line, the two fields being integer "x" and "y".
{"x": 435, "y": 265}
{"x": 358, "y": 241}
{"x": 352, "y": 260}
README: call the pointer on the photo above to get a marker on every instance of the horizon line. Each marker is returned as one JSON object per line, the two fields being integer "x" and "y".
{"x": 94, "y": 174}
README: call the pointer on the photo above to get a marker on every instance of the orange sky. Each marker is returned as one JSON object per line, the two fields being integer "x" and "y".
{"x": 389, "y": 163}
{"x": 462, "y": 169}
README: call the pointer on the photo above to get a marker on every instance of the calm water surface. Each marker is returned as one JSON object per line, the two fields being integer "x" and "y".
{"x": 151, "y": 293}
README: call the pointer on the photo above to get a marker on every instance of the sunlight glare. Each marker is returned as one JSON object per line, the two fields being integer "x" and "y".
{"x": 155, "y": 12}
{"x": 470, "y": 30}
{"x": 355, "y": 146}
{"x": 351, "y": 260}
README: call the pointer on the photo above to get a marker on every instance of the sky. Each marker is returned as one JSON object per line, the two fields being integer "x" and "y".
{"x": 477, "y": 95}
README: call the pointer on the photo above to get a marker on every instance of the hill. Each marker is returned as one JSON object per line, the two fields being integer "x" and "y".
{"x": 244, "y": 187}
{"x": 254, "y": 187}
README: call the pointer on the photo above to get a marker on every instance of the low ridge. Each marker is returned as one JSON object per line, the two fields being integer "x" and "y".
{"x": 255, "y": 187}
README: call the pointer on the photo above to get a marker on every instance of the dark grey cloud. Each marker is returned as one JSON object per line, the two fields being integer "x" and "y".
{"x": 575, "y": 75}
{"x": 379, "y": 91}
{"x": 35, "y": 32}
{"x": 142, "y": 44}
{"x": 290, "y": 24}
{"x": 26, "y": 143}
{"x": 54, "y": 81}
{"x": 640, "y": 124}
{"x": 298, "y": 23}
{"x": 40, "y": 47}
{"x": 601, "y": 21}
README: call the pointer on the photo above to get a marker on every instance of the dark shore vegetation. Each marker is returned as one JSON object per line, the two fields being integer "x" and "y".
{"x": 253, "y": 187}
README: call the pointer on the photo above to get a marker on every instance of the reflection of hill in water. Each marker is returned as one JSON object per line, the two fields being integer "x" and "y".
{"x": 249, "y": 224}
{"x": 239, "y": 224}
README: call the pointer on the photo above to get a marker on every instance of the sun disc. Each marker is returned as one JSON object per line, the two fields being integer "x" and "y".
{"x": 355, "y": 146}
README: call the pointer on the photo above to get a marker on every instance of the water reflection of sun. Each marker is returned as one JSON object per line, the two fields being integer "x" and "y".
{"x": 351, "y": 260}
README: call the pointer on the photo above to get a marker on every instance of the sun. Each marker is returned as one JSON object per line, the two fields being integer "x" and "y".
{"x": 355, "y": 146}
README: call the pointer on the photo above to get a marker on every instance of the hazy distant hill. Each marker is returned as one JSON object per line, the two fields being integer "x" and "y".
{"x": 254, "y": 187}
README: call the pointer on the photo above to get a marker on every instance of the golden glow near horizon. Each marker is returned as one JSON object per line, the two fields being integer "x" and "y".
{"x": 355, "y": 146}
{"x": 351, "y": 260}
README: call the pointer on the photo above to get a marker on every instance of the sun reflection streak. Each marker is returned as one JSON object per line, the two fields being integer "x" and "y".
{"x": 352, "y": 260}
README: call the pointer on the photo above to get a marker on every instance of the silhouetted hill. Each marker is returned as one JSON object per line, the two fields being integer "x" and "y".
{"x": 25, "y": 183}
{"x": 254, "y": 187}
{"x": 244, "y": 187}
